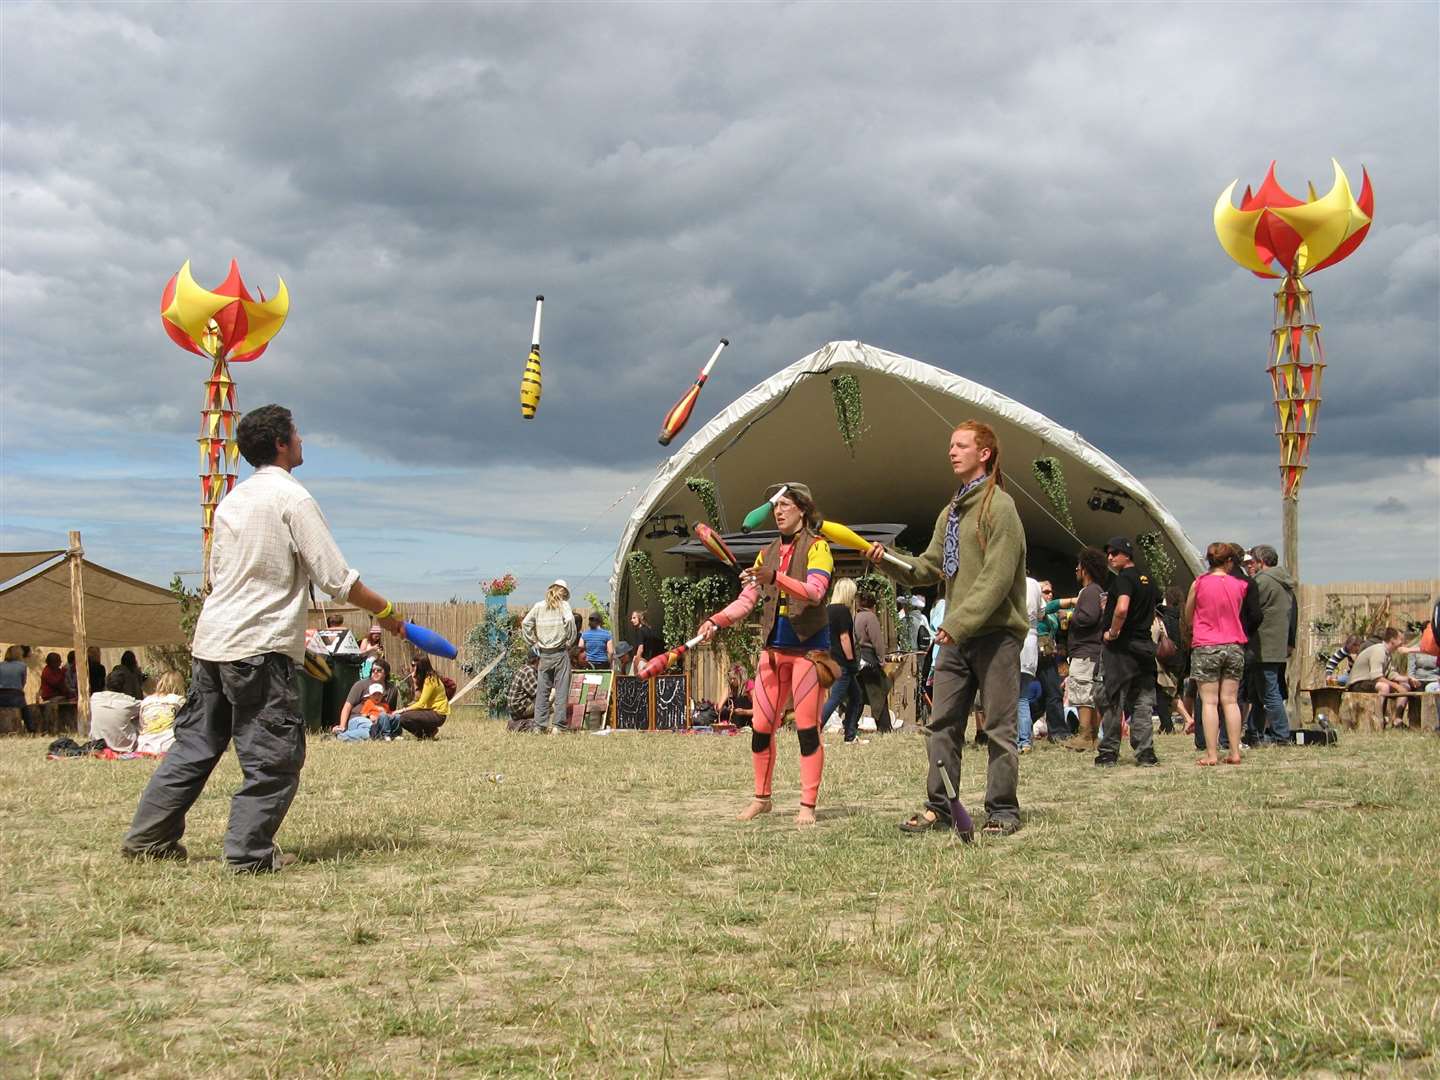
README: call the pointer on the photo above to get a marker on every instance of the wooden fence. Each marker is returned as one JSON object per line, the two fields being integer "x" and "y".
{"x": 1329, "y": 612}
{"x": 453, "y": 621}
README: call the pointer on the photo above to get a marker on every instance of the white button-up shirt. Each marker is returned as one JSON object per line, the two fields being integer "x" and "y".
{"x": 270, "y": 542}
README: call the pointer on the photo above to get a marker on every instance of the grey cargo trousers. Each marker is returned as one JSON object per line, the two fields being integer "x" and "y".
{"x": 988, "y": 665}
{"x": 254, "y": 702}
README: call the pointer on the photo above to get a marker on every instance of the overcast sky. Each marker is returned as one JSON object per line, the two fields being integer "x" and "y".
{"x": 1020, "y": 194}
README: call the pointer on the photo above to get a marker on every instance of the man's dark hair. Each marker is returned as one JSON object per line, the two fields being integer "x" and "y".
{"x": 1266, "y": 554}
{"x": 379, "y": 663}
{"x": 1093, "y": 560}
{"x": 260, "y": 429}
{"x": 595, "y": 620}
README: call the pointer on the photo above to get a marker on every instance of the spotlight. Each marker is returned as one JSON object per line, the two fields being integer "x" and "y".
{"x": 1107, "y": 500}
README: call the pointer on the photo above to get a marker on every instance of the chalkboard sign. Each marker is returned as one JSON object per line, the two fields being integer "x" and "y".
{"x": 632, "y": 703}
{"x": 670, "y": 703}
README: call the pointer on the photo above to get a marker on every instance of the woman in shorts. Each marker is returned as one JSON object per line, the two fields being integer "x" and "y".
{"x": 1212, "y": 626}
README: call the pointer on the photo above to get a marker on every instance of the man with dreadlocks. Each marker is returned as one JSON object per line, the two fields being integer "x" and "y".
{"x": 978, "y": 553}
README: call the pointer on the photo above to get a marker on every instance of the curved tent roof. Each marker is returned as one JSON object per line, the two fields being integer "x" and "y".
{"x": 784, "y": 429}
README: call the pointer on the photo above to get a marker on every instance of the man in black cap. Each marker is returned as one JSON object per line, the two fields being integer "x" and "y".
{"x": 1128, "y": 661}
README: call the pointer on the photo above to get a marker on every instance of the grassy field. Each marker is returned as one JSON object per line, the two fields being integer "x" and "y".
{"x": 598, "y": 912}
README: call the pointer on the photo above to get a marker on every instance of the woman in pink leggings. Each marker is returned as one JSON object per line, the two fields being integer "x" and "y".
{"x": 791, "y": 582}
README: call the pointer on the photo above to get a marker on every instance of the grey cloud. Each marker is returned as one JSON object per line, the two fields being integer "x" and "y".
{"x": 1020, "y": 194}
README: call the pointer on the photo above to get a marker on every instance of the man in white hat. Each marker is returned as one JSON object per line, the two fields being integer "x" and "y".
{"x": 549, "y": 627}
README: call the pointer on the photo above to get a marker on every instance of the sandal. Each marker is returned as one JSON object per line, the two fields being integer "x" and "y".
{"x": 922, "y": 821}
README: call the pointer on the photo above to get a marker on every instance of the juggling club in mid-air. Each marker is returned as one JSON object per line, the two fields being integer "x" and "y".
{"x": 756, "y": 517}
{"x": 715, "y": 544}
{"x": 530, "y": 381}
{"x": 679, "y": 416}
{"x": 848, "y": 537}
{"x": 657, "y": 666}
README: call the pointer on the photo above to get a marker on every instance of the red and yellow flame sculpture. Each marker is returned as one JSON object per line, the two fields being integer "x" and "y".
{"x": 222, "y": 325}
{"x": 1275, "y": 235}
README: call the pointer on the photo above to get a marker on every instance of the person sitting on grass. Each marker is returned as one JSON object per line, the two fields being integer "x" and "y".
{"x": 520, "y": 698}
{"x": 431, "y": 708}
{"x": 157, "y": 714}
{"x": 383, "y": 724}
{"x": 737, "y": 706}
{"x": 379, "y": 673}
{"x": 115, "y": 714}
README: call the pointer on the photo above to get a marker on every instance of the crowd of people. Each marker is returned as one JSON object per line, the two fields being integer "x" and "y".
{"x": 999, "y": 645}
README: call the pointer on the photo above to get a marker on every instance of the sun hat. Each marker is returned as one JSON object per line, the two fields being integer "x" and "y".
{"x": 561, "y": 582}
{"x": 375, "y": 688}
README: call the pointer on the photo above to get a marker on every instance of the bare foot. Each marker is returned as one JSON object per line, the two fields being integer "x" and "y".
{"x": 805, "y": 817}
{"x": 1233, "y": 759}
{"x": 1206, "y": 761}
{"x": 757, "y": 807}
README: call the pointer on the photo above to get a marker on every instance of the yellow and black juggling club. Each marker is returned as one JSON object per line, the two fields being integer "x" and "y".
{"x": 679, "y": 416}
{"x": 848, "y": 537}
{"x": 530, "y": 381}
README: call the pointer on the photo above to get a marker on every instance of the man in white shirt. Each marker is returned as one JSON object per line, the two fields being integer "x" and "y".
{"x": 270, "y": 542}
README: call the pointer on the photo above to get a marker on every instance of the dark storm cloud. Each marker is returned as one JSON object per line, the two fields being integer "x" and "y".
{"x": 1019, "y": 194}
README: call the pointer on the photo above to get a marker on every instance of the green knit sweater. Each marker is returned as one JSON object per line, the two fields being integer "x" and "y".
{"x": 987, "y": 592}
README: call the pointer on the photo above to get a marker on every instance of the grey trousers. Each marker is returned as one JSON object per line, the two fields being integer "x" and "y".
{"x": 989, "y": 665}
{"x": 554, "y": 671}
{"x": 1128, "y": 686}
{"x": 253, "y": 701}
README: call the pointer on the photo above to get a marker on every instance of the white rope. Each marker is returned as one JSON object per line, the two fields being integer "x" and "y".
{"x": 1015, "y": 483}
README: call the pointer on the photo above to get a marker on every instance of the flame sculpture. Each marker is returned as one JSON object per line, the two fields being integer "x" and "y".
{"x": 223, "y": 325}
{"x": 1275, "y": 235}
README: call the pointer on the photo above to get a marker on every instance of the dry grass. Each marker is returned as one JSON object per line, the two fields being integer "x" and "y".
{"x": 600, "y": 913}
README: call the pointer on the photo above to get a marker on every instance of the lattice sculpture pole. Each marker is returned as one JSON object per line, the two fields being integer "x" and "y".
{"x": 1275, "y": 235}
{"x": 222, "y": 325}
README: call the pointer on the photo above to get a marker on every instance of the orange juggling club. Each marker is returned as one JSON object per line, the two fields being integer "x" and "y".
{"x": 657, "y": 666}
{"x": 715, "y": 544}
{"x": 679, "y": 416}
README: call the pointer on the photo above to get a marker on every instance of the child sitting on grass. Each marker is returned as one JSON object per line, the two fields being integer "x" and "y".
{"x": 157, "y": 714}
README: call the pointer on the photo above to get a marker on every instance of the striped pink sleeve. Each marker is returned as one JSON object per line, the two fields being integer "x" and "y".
{"x": 738, "y": 608}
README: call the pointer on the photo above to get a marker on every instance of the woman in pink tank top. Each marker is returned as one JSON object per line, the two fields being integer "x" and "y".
{"x": 1211, "y": 624}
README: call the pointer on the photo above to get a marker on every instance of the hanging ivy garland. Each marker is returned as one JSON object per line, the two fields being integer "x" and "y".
{"x": 642, "y": 572}
{"x": 849, "y": 409}
{"x": 688, "y": 600}
{"x": 1051, "y": 478}
{"x": 880, "y": 587}
{"x": 1157, "y": 559}
{"x": 704, "y": 490}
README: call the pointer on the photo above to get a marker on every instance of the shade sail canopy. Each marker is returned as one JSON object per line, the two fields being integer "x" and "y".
{"x": 784, "y": 429}
{"x": 15, "y": 563}
{"x": 120, "y": 612}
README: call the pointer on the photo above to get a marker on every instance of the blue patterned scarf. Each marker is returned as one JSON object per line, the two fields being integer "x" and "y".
{"x": 952, "y": 527}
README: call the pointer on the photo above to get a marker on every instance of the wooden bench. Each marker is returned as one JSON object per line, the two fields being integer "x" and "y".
{"x": 1360, "y": 711}
{"x": 11, "y": 722}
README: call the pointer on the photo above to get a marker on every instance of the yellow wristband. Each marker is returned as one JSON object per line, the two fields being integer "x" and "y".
{"x": 386, "y": 611}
